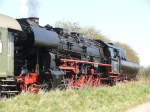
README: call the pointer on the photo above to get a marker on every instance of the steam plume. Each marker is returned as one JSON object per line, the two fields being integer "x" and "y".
{"x": 33, "y": 7}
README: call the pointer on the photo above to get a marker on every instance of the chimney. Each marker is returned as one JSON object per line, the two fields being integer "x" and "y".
{"x": 34, "y": 20}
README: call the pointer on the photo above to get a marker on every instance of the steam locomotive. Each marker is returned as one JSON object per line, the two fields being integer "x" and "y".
{"x": 34, "y": 57}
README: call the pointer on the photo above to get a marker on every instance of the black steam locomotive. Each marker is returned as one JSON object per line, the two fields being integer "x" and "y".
{"x": 45, "y": 57}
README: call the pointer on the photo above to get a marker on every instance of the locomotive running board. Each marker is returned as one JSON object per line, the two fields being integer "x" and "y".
{"x": 85, "y": 62}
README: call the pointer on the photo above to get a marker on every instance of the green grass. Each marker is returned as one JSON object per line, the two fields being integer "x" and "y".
{"x": 105, "y": 99}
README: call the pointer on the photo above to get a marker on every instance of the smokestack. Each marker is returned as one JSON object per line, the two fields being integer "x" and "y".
{"x": 33, "y": 8}
{"x": 34, "y": 20}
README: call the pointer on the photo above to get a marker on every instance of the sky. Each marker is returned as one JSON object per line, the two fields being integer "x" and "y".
{"x": 126, "y": 21}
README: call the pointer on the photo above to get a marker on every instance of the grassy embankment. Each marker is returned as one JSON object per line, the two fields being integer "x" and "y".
{"x": 105, "y": 99}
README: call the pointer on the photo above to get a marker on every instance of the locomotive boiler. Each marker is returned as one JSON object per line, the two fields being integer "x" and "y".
{"x": 34, "y": 57}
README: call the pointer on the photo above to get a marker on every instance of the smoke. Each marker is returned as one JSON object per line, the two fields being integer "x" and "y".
{"x": 24, "y": 8}
{"x": 30, "y": 8}
{"x": 33, "y": 7}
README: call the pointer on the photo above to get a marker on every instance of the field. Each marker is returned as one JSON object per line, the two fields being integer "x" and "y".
{"x": 104, "y": 99}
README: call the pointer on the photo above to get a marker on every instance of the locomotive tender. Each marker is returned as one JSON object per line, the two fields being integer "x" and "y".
{"x": 33, "y": 57}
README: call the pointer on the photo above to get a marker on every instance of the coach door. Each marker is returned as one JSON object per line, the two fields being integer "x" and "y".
{"x": 6, "y": 53}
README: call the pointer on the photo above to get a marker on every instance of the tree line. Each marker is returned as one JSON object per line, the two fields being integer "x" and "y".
{"x": 92, "y": 33}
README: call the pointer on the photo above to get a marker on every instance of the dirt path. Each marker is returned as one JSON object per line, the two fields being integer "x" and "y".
{"x": 141, "y": 108}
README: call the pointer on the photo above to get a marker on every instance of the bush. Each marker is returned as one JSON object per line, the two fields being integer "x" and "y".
{"x": 145, "y": 72}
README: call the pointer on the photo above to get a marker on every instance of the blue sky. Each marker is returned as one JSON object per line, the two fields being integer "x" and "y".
{"x": 127, "y": 21}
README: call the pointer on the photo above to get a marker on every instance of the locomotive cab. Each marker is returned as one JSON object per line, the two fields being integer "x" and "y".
{"x": 114, "y": 59}
{"x": 121, "y": 66}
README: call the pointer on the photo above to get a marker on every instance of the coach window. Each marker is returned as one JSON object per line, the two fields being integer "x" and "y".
{"x": 124, "y": 55}
{"x": 10, "y": 43}
{"x": 116, "y": 53}
{"x": 1, "y": 46}
{"x": 111, "y": 52}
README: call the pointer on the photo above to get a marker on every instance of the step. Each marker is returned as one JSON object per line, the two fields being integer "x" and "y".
{"x": 10, "y": 94}
{"x": 9, "y": 91}
{"x": 8, "y": 80}
{"x": 8, "y": 85}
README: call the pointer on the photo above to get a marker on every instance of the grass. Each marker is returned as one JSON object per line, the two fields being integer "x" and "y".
{"x": 105, "y": 99}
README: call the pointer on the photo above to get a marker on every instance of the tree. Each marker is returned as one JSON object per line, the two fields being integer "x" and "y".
{"x": 88, "y": 32}
{"x": 71, "y": 27}
{"x": 147, "y": 71}
{"x": 92, "y": 33}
